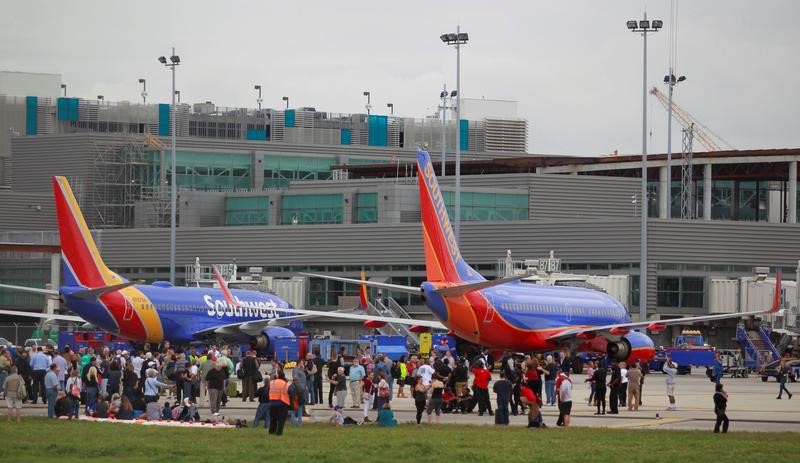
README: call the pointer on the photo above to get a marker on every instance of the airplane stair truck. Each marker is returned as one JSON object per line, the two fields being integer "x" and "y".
{"x": 395, "y": 310}
{"x": 757, "y": 345}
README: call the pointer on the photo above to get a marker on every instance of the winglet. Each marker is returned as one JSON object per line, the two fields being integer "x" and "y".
{"x": 225, "y": 291}
{"x": 776, "y": 301}
{"x": 362, "y": 294}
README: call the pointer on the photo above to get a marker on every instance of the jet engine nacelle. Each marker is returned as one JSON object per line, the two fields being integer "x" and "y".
{"x": 264, "y": 343}
{"x": 619, "y": 350}
{"x": 631, "y": 347}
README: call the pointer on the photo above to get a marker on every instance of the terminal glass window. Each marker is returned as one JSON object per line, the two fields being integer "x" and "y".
{"x": 280, "y": 170}
{"x": 680, "y": 292}
{"x": 752, "y": 201}
{"x": 476, "y": 206}
{"x": 367, "y": 208}
{"x": 311, "y": 209}
{"x": 247, "y": 210}
{"x": 201, "y": 170}
{"x": 30, "y": 277}
{"x": 722, "y": 199}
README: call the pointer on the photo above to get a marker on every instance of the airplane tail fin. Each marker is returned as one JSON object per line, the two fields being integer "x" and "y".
{"x": 82, "y": 263}
{"x": 362, "y": 294}
{"x": 443, "y": 261}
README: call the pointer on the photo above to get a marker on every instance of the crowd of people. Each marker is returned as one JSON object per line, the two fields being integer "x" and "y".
{"x": 127, "y": 386}
{"x": 116, "y": 384}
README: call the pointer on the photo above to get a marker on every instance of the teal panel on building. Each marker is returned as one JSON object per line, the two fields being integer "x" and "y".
{"x": 256, "y": 134}
{"x": 312, "y": 209}
{"x": 463, "y": 126}
{"x": 367, "y": 208}
{"x": 31, "y": 115}
{"x": 163, "y": 120}
{"x": 67, "y": 109}
{"x": 346, "y": 136}
{"x": 248, "y": 210}
{"x": 378, "y": 131}
{"x": 288, "y": 118}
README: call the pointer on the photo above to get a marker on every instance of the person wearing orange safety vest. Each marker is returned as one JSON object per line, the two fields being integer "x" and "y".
{"x": 279, "y": 403}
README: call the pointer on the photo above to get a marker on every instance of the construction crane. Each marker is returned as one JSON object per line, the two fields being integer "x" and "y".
{"x": 701, "y": 133}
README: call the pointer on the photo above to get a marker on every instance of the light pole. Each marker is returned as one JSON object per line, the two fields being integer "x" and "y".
{"x": 457, "y": 39}
{"x": 286, "y": 99}
{"x": 644, "y": 26}
{"x": 144, "y": 91}
{"x": 391, "y": 108}
{"x": 174, "y": 60}
{"x": 671, "y": 81}
{"x": 258, "y": 100}
{"x": 368, "y": 106}
{"x": 64, "y": 87}
{"x": 178, "y": 95}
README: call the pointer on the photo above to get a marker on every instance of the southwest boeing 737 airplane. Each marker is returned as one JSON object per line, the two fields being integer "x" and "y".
{"x": 510, "y": 314}
{"x": 500, "y": 314}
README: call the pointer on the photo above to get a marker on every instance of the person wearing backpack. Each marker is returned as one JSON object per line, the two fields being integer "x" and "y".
{"x": 14, "y": 390}
{"x": 73, "y": 390}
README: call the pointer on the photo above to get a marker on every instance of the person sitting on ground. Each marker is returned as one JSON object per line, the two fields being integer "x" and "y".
{"x": 466, "y": 403}
{"x": 166, "y": 412}
{"x": 386, "y": 416}
{"x": 101, "y": 411}
{"x": 63, "y": 406}
{"x": 449, "y": 401}
{"x": 139, "y": 405}
{"x": 337, "y": 419}
{"x": 125, "y": 411}
{"x": 153, "y": 411}
{"x": 189, "y": 411}
{"x": 113, "y": 406}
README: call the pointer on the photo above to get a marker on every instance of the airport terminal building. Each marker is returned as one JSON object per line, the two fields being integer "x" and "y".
{"x": 301, "y": 190}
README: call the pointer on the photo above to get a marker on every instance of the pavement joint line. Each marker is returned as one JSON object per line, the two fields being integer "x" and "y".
{"x": 651, "y": 422}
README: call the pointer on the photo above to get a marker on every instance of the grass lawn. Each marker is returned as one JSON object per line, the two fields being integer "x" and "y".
{"x": 39, "y": 439}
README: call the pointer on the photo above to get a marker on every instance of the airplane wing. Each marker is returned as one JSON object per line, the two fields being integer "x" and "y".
{"x": 66, "y": 318}
{"x": 374, "y": 284}
{"x": 450, "y": 291}
{"x": 621, "y": 329}
{"x": 254, "y": 327}
{"x": 48, "y": 292}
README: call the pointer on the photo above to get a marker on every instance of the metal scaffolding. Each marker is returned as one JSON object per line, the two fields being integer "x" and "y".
{"x": 687, "y": 179}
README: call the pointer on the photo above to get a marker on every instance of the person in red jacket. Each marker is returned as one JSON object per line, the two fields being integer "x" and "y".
{"x": 529, "y": 398}
{"x": 480, "y": 387}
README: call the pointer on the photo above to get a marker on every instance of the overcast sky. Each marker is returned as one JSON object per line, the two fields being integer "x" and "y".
{"x": 573, "y": 66}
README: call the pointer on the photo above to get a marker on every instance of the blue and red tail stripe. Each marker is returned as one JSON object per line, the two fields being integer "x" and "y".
{"x": 443, "y": 259}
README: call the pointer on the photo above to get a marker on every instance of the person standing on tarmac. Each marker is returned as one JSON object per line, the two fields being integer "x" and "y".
{"x": 279, "y": 401}
{"x": 634, "y": 379}
{"x": 782, "y": 373}
{"x": 480, "y": 385}
{"x": 599, "y": 380}
{"x": 720, "y": 404}
{"x": 614, "y": 385}
{"x": 671, "y": 369}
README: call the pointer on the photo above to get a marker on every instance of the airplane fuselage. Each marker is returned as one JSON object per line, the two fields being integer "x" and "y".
{"x": 163, "y": 312}
{"x": 521, "y": 316}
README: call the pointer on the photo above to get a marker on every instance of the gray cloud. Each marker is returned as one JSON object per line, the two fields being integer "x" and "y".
{"x": 573, "y": 66}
